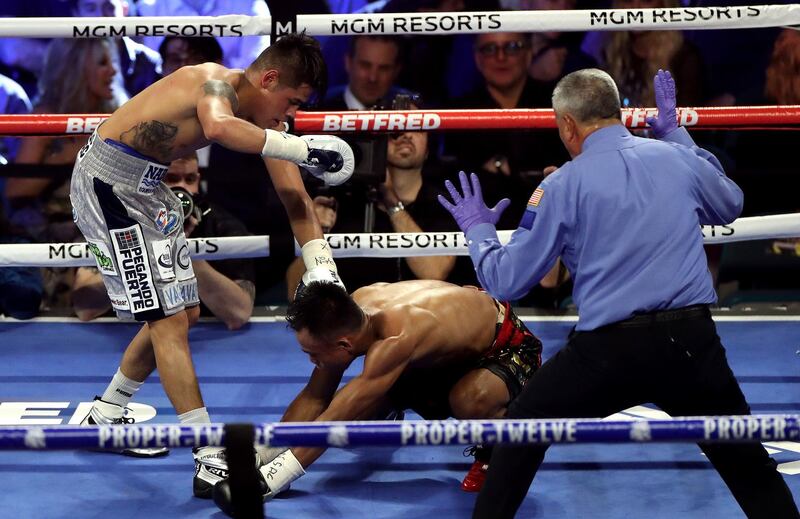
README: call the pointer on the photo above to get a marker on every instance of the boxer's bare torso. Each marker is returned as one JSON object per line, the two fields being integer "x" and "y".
{"x": 183, "y": 112}
{"x": 408, "y": 325}
{"x": 161, "y": 122}
{"x": 445, "y": 322}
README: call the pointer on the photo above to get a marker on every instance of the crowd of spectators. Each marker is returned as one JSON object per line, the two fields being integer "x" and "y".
{"x": 494, "y": 70}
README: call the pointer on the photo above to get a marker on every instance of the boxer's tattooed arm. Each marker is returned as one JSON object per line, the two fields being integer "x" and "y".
{"x": 219, "y": 88}
{"x": 154, "y": 138}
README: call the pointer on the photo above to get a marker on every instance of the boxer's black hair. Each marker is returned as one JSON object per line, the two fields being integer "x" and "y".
{"x": 298, "y": 59}
{"x": 324, "y": 309}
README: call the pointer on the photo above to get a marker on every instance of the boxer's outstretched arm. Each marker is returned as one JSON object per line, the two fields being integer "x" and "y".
{"x": 215, "y": 111}
{"x": 299, "y": 207}
{"x": 358, "y": 398}
{"x": 315, "y": 397}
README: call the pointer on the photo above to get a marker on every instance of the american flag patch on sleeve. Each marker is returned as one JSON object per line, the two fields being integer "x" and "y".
{"x": 536, "y": 197}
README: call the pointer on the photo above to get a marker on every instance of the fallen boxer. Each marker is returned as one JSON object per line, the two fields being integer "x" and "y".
{"x": 430, "y": 346}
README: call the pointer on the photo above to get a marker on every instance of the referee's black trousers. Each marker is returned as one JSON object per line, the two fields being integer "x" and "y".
{"x": 673, "y": 359}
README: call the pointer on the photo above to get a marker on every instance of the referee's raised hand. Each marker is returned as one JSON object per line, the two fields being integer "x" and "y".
{"x": 667, "y": 119}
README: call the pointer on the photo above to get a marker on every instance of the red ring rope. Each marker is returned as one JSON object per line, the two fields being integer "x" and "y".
{"x": 737, "y": 117}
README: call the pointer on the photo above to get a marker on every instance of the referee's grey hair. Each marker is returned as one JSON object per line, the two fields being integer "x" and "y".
{"x": 587, "y": 95}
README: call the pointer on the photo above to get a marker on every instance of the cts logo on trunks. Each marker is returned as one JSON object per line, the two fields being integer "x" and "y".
{"x": 102, "y": 257}
{"x": 134, "y": 267}
{"x": 184, "y": 259}
{"x": 151, "y": 177}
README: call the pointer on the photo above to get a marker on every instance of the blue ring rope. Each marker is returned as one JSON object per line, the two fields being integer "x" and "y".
{"x": 772, "y": 427}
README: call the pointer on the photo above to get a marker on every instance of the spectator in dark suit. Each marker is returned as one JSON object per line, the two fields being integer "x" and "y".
{"x": 435, "y": 66}
{"x": 177, "y": 52}
{"x": 555, "y": 54}
{"x": 503, "y": 60}
{"x": 372, "y": 64}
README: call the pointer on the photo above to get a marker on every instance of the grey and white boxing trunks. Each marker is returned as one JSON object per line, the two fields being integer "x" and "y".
{"x": 133, "y": 224}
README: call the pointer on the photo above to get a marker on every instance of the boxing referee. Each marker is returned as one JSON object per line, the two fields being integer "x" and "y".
{"x": 624, "y": 217}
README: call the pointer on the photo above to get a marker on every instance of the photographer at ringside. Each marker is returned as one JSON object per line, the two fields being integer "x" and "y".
{"x": 226, "y": 287}
{"x": 397, "y": 195}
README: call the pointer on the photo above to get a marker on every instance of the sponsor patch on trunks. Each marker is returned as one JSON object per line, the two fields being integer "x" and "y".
{"x": 179, "y": 293}
{"x": 102, "y": 257}
{"x": 162, "y": 252}
{"x": 152, "y": 175}
{"x": 119, "y": 302}
{"x": 134, "y": 269}
{"x": 167, "y": 221}
{"x": 183, "y": 267}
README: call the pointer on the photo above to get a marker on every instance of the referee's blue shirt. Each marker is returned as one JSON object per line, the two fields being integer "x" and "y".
{"x": 624, "y": 216}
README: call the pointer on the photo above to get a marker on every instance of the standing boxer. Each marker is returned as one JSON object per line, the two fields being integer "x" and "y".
{"x": 132, "y": 220}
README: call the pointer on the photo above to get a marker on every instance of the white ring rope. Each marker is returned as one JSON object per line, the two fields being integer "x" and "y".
{"x": 735, "y": 17}
{"x": 368, "y": 245}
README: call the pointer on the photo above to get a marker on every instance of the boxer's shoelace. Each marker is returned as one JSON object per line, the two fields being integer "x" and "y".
{"x": 126, "y": 419}
{"x": 123, "y": 420}
{"x": 479, "y": 452}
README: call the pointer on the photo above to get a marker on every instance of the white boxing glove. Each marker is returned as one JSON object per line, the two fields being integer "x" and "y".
{"x": 275, "y": 476}
{"x": 284, "y": 146}
{"x": 329, "y": 159}
{"x": 281, "y": 472}
{"x": 266, "y": 454}
{"x": 319, "y": 264}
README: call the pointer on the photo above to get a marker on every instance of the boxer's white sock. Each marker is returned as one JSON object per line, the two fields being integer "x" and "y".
{"x": 121, "y": 390}
{"x": 199, "y": 415}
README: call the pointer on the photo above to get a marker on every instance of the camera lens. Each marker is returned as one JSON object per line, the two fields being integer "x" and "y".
{"x": 186, "y": 199}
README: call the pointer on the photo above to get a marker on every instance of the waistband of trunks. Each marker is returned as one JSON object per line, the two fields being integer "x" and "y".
{"x": 115, "y": 166}
{"x": 504, "y": 327}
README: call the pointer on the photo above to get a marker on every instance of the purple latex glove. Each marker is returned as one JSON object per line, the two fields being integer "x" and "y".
{"x": 667, "y": 119}
{"x": 470, "y": 210}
